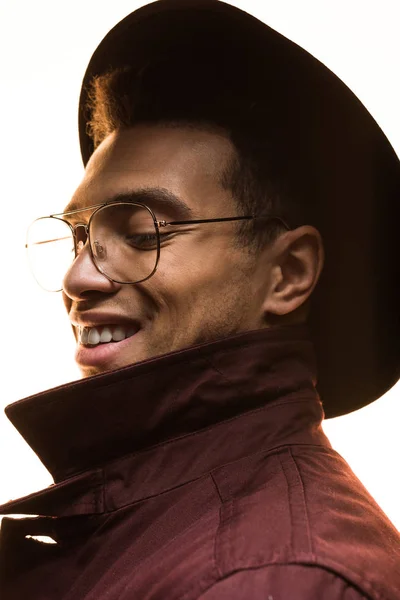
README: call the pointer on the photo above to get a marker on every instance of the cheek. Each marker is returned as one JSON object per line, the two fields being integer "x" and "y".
{"x": 192, "y": 266}
{"x": 198, "y": 281}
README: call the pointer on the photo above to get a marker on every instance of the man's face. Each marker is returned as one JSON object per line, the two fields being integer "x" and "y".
{"x": 206, "y": 287}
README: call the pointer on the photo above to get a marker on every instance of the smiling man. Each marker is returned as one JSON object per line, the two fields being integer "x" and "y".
{"x": 228, "y": 267}
{"x": 207, "y": 284}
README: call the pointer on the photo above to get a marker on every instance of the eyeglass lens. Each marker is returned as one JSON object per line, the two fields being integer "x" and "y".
{"x": 123, "y": 240}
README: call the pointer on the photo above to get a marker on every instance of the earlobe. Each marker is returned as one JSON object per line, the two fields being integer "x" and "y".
{"x": 298, "y": 259}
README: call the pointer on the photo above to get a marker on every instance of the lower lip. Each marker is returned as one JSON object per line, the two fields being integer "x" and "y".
{"x": 100, "y": 355}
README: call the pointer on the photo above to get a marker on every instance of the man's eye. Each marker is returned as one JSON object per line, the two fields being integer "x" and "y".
{"x": 147, "y": 241}
{"x": 142, "y": 240}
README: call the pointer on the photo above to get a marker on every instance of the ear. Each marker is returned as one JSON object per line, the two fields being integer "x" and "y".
{"x": 297, "y": 259}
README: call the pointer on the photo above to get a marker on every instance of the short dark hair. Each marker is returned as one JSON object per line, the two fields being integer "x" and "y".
{"x": 176, "y": 93}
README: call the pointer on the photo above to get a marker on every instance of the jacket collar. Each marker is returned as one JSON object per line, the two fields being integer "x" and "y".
{"x": 176, "y": 404}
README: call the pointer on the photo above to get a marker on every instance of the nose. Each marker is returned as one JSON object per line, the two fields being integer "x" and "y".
{"x": 83, "y": 279}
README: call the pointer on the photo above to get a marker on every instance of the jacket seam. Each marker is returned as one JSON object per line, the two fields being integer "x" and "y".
{"x": 216, "y": 487}
{"x": 303, "y": 497}
{"x": 304, "y": 563}
{"x": 216, "y": 537}
{"x": 103, "y": 495}
{"x": 291, "y": 465}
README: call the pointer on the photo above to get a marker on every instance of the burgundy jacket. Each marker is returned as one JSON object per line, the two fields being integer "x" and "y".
{"x": 203, "y": 473}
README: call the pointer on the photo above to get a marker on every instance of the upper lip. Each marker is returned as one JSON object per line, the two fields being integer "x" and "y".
{"x": 97, "y": 319}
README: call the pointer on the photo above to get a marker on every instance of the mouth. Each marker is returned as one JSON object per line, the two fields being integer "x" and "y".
{"x": 103, "y": 348}
{"x": 105, "y": 334}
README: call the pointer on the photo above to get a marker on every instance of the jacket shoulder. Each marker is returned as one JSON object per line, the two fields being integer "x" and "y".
{"x": 302, "y": 505}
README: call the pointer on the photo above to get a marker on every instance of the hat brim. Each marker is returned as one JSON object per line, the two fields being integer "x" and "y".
{"x": 354, "y": 319}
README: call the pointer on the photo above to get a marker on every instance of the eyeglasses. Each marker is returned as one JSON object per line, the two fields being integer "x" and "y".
{"x": 124, "y": 239}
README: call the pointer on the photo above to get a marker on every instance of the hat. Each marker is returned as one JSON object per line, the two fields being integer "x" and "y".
{"x": 335, "y": 158}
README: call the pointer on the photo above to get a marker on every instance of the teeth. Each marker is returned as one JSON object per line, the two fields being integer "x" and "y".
{"x": 118, "y": 334}
{"x": 83, "y": 331}
{"x": 106, "y": 335}
{"x": 102, "y": 335}
{"x": 93, "y": 337}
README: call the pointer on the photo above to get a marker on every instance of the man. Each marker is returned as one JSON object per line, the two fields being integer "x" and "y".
{"x": 234, "y": 191}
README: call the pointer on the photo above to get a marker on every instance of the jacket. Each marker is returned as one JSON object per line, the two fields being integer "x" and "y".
{"x": 200, "y": 474}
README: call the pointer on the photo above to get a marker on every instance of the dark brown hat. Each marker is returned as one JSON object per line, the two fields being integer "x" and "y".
{"x": 324, "y": 145}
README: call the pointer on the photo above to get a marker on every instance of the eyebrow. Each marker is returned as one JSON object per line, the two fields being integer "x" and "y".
{"x": 155, "y": 198}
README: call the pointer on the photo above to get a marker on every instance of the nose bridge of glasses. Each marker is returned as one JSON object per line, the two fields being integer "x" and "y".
{"x": 81, "y": 234}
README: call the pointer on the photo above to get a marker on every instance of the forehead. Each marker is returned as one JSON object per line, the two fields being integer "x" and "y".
{"x": 157, "y": 164}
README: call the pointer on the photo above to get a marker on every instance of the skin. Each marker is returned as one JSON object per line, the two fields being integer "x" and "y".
{"x": 206, "y": 286}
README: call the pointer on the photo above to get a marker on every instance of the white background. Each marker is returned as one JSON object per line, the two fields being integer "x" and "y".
{"x": 45, "y": 48}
